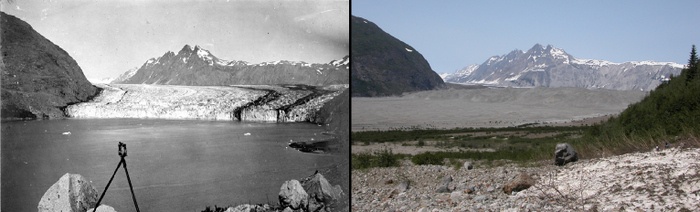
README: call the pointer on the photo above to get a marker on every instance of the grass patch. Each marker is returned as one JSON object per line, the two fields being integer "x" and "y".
{"x": 514, "y": 144}
{"x": 379, "y": 158}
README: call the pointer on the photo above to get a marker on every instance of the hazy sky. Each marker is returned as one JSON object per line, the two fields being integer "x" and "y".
{"x": 108, "y": 37}
{"x": 454, "y": 34}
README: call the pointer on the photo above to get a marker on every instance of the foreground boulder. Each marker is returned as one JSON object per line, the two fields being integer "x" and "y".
{"x": 564, "y": 153}
{"x": 72, "y": 193}
{"x": 321, "y": 192}
{"x": 293, "y": 195}
{"x": 250, "y": 208}
{"x": 521, "y": 182}
{"x": 103, "y": 208}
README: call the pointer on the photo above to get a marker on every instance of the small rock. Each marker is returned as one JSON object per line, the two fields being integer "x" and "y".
{"x": 480, "y": 198}
{"x": 468, "y": 165}
{"x": 455, "y": 196}
{"x": 403, "y": 186}
{"x": 445, "y": 186}
{"x": 521, "y": 182}
{"x": 490, "y": 189}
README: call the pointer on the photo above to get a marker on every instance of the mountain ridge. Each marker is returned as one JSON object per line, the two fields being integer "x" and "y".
{"x": 194, "y": 65}
{"x": 39, "y": 78}
{"x": 383, "y": 65}
{"x": 549, "y": 66}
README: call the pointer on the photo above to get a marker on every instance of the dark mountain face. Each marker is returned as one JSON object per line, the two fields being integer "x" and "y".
{"x": 383, "y": 65}
{"x": 552, "y": 67}
{"x": 39, "y": 79}
{"x": 197, "y": 66}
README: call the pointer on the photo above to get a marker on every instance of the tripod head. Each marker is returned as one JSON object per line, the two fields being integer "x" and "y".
{"x": 122, "y": 152}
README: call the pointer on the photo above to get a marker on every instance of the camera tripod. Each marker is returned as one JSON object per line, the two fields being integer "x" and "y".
{"x": 122, "y": 154}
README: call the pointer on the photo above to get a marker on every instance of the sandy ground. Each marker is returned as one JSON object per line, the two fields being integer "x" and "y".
{"x": 488, "y": 107}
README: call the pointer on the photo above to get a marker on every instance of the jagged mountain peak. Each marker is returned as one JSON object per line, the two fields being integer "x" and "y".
{"x": 194, "y": 65}
{"x": 186, "y": 49}
{"x": 549, "y": 66}
{"x": 345, "y": 61}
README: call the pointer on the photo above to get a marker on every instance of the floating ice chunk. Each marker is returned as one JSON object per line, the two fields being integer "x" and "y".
{"x": 66, "y": 133}
{"x": 246, "y": 134}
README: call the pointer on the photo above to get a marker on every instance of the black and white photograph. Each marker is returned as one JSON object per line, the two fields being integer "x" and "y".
{"x": 184, "y": 105}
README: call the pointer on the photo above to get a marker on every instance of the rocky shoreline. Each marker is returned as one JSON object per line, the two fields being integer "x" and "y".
{"x": 656, "y": 180}
{"x": 73, "y": 192}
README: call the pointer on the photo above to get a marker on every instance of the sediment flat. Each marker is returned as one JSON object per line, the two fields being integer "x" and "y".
{"x": 490, "y": 107}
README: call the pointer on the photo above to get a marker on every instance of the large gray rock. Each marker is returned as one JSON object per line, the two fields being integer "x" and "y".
{"x": 72, "y": 193}
{"x": 103, "y": 208}
{"x": 319, "y": 188}
{"x": 445, "y": 186}
{"x": 249, "y": 208}
{"x": 564, "y": 153}
{"x": 321, "y": 192}
{"x": 293, "y": 195}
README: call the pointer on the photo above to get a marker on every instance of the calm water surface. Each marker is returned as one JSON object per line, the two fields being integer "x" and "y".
{"x": 174, "y": 165}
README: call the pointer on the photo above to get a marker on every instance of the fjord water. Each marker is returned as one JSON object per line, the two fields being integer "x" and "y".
{"x": 174, "y": 165}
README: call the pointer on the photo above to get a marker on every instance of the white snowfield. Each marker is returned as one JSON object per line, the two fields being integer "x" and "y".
{"x": 198, "y": 102}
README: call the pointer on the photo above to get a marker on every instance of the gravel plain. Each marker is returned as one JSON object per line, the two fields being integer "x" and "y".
{"x": 487, "y": 107}
{"x": 667, "y": 180}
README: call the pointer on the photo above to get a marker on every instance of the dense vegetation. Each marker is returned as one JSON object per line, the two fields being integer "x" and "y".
{"x": 669, "y": 114}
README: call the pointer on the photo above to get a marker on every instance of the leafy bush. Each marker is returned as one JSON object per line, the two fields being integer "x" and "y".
{"x": 380, "y": 158}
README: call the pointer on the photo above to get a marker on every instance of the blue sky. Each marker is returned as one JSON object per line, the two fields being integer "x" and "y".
{"x": 109, "y": 37}
{"x": 454, "y": 34}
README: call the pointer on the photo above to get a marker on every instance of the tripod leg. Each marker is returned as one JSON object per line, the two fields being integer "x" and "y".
{"x": 131, "y": 187}
{"x": 110, "y": 182}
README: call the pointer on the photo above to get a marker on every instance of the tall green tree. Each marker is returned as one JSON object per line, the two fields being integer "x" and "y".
{"x": 692, "y": 65}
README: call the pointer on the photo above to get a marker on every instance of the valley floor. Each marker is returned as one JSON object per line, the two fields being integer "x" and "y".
{"x": 650, "y": 181}
{"x": 488, "y": 107}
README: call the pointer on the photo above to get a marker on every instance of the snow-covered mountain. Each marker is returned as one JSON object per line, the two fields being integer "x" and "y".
{"x": 552, "y": 67}
{"x": 197, "y": 66}
{"x": 125, "y": 76}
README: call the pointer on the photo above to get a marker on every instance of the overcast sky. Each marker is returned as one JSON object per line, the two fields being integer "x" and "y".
{"x": 454, "y": 34}
{"x": 108, "y": 37}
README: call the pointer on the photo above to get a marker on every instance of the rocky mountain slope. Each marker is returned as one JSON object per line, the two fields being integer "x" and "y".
{"x": 383, "y": 65}
{"x": 552, "y": 67}
{"x": 39, "y": 79}
{"x": 197, "y": 66}
{"x": 666, "y": 180}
